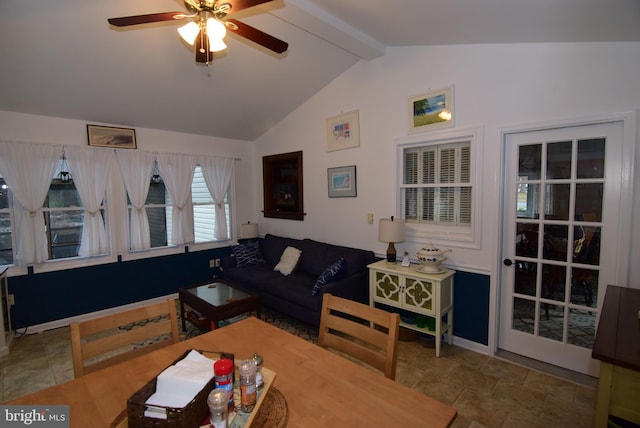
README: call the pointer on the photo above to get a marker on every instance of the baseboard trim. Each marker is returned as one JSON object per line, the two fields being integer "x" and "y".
{"x": 39, "y": 328}
{"x": 471, "y": 345}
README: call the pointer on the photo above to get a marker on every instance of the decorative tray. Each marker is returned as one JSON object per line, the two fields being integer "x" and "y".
{"x": 187, "y": 416}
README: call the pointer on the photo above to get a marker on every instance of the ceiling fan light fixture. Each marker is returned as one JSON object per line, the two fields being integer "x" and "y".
{"x": 216, "y": 29}
{"x": 216, "y": 45}
{"x": 189, "y": 32}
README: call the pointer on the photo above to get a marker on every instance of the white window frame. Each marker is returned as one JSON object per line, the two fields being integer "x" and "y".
{"x": 424, "y": 233}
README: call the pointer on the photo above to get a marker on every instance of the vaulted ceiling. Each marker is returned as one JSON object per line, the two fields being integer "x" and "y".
{"x": 61, "y": 58}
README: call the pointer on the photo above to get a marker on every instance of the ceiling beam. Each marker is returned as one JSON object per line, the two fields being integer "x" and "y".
{"x": 310, "y": 18}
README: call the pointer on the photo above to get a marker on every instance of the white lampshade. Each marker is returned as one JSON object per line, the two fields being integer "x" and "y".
{"x": 189, "y": 32}
{"x": 216, "y": 29}
{"x": 249, "y": 230}
{"x": 216, "y": 32}
{"x": 216, "y": 45}
{"x": 391, "y": 230}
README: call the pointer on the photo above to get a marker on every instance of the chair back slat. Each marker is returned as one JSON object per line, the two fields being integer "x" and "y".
{"x": 365, "y": 333}
{"x": 103, "y": 341}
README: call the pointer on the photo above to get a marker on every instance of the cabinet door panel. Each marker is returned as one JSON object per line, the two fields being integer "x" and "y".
{"x": 419, "y": 294}
{"x": 387, "y": 287}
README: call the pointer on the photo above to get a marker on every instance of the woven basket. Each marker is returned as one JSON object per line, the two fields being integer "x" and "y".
{"x": 189, "y": 416}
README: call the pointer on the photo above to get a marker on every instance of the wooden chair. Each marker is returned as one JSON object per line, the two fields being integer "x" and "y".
{"x": 368, "y": 334}
{"x": 99, "y": 342}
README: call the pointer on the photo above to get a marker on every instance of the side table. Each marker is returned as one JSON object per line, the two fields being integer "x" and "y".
{"x": 426, "y": 294}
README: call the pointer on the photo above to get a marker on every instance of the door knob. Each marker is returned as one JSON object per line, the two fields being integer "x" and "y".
{"x": 507, "y": 262}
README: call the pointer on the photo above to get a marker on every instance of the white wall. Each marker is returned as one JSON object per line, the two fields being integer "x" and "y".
{"x": 496, "y": 87}
{"x": 43, "y": 129}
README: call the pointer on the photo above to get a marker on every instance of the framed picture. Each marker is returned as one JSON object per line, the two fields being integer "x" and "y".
{"x": 433, "y": 110}
{"x": 108, "y": 136}
{"x": 343, "y": 131}
{"x": 342, "y": 182}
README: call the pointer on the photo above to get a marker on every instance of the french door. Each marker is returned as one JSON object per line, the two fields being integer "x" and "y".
{"x": 561, "y": 210}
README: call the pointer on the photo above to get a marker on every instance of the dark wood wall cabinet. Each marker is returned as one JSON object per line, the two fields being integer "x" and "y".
{"x": 283, "y": 190}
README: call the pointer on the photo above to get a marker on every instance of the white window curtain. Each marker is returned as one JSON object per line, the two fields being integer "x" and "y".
{"x": 177, "y": 172}
{"x": 28, "y": 170}
{"x": 217, "y": 174}
{"x": 136, "y": 167}
{"x": 90, "y": 171}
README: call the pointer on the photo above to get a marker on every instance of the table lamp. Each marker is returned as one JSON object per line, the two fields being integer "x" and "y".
{"x": 391, "y": 230}
{"x": 249, "y": 231}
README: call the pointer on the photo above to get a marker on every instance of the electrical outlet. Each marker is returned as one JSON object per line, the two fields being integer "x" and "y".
{"x": 217, "y": 262}
{"x": 370, "y": 218}
{"x": 11, "y": 299}
{"x": 212, "y": 263}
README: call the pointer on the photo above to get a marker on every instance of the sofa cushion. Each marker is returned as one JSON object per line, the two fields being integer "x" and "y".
{"x": 295, "y": 288}
{"x": 252, "y": 277}
{"x": 273, "y": 246}
{"x": 354, "y": 260}
{"x": 331, "y": 273}
{"x": 314, "y": 257}
{"x": 247, "y": 254}
{"x": 288, "y": 261}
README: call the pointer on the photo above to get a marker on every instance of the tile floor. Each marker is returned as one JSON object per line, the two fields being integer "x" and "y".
{"x": 486, "y": 391}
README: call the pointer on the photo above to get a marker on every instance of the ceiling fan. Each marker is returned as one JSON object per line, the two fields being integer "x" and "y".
{"x": 209, "y": 26}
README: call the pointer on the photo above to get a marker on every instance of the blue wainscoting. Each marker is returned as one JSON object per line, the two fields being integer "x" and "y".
{"x": 51, "y": 296}
{"x": 46, "y": 297}
{"x": 471, "y": 306}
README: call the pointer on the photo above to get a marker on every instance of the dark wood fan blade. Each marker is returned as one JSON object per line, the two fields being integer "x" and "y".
{"x": 203, "y": 55}
{"x": 237, "y": 5}
{"x": 145, "y": 19}
{"x": 255, "y": 35}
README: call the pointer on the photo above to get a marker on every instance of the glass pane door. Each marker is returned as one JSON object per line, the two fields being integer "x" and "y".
{"x": 554, "y": 267}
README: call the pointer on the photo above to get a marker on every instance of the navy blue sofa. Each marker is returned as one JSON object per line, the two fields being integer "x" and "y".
{"x": 292, "y": 294}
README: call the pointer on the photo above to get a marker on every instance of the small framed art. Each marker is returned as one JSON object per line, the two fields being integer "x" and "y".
{"x": 343, "y": 131}
{"x": 433, "y": 110}
{"x": 108, "y": 136}
{"x": 342, "y": 182}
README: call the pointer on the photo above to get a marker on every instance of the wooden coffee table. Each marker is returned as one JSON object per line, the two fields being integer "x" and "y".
{"x": 216, "y": 301}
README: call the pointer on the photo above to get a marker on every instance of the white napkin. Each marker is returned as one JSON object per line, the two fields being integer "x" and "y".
{"x": 178, "y": 384}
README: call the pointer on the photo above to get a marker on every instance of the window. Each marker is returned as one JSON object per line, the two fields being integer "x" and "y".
{"x": 6, "y": 237}
{"x": 159, "y": 207}
{"x": 437, "y": 181}
{"x": 66, "y": 220}
{"x": 158, "y": 204}
{"x": 204, "y": 209}
{"x": 436, "y": 188}
{"x": 63, "y": 218}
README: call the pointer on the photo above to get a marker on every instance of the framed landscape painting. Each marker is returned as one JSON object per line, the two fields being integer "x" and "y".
{"x": 108, "y": 136}
{"x": 433, "y": 110}
{"x": 342, "y": 182}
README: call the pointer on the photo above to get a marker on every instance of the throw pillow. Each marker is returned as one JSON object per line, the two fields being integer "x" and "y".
{"x": 331, "y": 273}
{"x": 288, "y": 261}
{"x": 247, "y": 254}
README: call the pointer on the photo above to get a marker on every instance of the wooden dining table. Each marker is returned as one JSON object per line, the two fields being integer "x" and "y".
{"x": 321, "y": 388}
